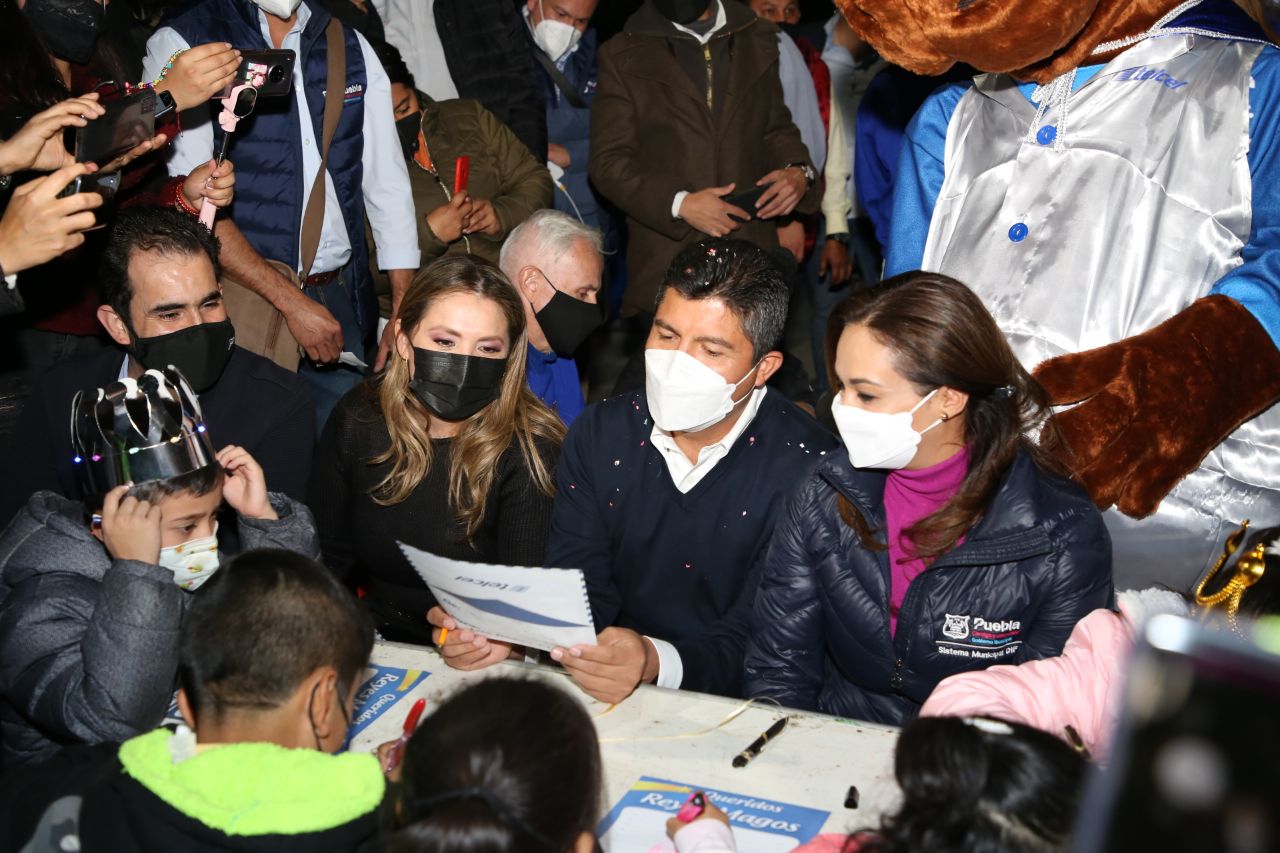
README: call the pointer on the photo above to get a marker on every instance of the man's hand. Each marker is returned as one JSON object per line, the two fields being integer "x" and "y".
{"x": 130, "y": 527}
{"x": 201, "y": 73}
{"x": 211, "y": 181}
{"x": 38, "y": 226}
{"x": 401, "y": 280}
{"x": 707, "y": 211}
{"x": 613, "y": 669}
{"x": 559, "y": 155}
{"x": 449, "y": 221}
{"x": 38, "y": 145}
{"x": 245, "y": 486}
{"x": 463, "y": 648}
{"x": 834, "y": 265}
{"x": 785, "y": 189}
{"x": 484, "y": 219}
{"x": 791, "y": 238}
{"x": 316, "y": 330}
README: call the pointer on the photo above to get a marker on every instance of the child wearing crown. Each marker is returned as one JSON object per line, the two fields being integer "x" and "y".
{"x": 92, "y": 594}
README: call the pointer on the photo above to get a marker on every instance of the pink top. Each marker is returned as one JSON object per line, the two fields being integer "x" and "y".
{"x": 908, "y": 497}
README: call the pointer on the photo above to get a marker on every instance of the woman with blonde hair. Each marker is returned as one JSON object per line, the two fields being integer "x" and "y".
{"x": 447, "y": 450}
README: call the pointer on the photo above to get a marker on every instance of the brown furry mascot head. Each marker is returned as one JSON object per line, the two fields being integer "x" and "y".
{"x": 1031, "y": 40}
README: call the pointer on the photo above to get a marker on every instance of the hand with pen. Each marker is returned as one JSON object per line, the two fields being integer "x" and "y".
{"x": 697, "y": 813}
{"x": 463, "y": 648}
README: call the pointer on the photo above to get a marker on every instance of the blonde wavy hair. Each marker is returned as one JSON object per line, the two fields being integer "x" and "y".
{"x": 515, "y": 416}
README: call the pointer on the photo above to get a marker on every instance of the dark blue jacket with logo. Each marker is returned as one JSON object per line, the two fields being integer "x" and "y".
{"x": 1036, "y": 563}
{"x": 570, "y": 126}
{"x": 267, "y": 146}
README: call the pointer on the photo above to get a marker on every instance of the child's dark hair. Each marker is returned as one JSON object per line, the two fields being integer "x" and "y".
{"x": 505, "y": 765}
{"x": 939, "y": 333}
{"x": 261, "y": 625}
{"x": 199, "y": 483}
{"x": 977, "y": 785}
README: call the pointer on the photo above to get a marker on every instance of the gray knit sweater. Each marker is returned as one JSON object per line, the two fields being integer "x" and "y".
{"x": 88, "y": 644}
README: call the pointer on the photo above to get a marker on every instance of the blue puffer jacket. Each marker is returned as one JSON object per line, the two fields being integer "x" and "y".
{"x": 1033, "y": 565}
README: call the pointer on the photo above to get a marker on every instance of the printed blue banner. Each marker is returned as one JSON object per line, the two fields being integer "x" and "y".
{"x": 639, "y": 820}
{"x": 383, "y": 688}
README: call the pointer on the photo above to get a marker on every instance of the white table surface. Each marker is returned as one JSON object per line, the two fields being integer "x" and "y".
{"x": 812, "y": 763}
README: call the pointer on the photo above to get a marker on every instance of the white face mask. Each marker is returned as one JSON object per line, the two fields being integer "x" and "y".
{"x": 193, "y": 562}
{"x": 684, "y": 394}
{"x": 556, "y": 38}
{"x": 879, "y": 439}
{"x": 279, "y": 8}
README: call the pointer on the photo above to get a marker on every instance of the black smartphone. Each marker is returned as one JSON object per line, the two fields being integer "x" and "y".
{"x": 270, "y": 72}
{"x": 1194, "y": 762}
{"x": 128, "y": 121}
{"x": 746, "y": 199}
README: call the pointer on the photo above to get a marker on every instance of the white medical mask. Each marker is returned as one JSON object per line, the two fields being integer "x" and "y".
{"x": 279, "y": 8}
{"x": 556, "y": 38}
{"x": 193, "y": 562}
{"x": 879, "y": 439}
{"x": 684, "y": 394}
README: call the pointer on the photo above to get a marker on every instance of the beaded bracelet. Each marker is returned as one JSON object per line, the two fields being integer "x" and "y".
{"x": 168, "y": 66}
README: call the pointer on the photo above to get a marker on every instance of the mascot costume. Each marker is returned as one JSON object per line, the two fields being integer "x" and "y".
{"x": 1110, "y": 187}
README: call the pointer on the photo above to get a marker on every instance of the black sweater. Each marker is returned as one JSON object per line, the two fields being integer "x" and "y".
{"x": 677, "y": 567}
{"x": 359, "y": 537}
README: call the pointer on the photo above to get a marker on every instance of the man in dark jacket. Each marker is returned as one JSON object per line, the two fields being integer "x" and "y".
{"x": 162, "y": 305}
{"x": 473, "y": 49}
{"x": 689, "y": 111}
{"x": 92, "y": 594}
{"x": 1036, "y": 562}
{"x": 271, "y": 655}
{"x": 666, "y": 499}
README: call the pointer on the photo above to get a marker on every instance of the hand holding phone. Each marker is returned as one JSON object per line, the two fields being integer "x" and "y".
{"x": 746, "y": 199}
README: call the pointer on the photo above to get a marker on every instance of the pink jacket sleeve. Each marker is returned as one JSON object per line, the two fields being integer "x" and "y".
{"x": 1074, "y": 689}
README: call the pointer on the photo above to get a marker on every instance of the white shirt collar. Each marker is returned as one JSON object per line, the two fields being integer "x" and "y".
{"x": 721, "y": 19}
{"x": 686, "y": 474}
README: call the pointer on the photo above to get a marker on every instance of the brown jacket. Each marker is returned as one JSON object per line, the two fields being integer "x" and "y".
{"x": 653, "y": 132}
{"x": 502, "y": 171}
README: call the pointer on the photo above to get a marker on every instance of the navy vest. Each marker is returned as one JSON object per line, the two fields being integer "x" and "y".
{"x": 267, "y": 146}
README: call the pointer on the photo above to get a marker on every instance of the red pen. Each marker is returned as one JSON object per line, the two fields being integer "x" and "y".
{"x": 410, "y": 726}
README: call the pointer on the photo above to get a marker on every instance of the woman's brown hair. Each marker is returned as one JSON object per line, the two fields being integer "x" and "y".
{"x": 940, "y": 334}
{"x": 516, "y": 416}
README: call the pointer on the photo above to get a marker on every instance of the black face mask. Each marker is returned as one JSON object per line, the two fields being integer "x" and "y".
{"x": 407, "y": 129}
{"x": 199, "y": 352}
{"x": 454, "y": 387}
{"x": 681, "y": 11}
{"x": 567, "y": 322}
{"x": 69, "y": 27}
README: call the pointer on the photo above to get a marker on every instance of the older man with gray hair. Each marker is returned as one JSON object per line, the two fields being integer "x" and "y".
{"x": 556, "y": 262}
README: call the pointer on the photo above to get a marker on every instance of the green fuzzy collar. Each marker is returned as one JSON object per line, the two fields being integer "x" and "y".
{"x": 253, "y": 789}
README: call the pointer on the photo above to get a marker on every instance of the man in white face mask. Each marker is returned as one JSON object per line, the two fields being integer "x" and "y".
{"x": 563, "y": 45}
{"x": 286, "y": 170}
{"x": 92, "y": 594}
{"x": 667, "y": 498}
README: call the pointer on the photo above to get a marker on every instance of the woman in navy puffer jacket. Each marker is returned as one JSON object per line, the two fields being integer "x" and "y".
{"x": 941, "y": 539}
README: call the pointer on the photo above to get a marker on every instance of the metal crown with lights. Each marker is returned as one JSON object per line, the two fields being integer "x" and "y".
{"x": 137, "y": 430}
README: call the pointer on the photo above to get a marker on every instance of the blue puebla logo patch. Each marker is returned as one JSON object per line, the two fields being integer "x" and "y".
{"x": 1157, "y": 75}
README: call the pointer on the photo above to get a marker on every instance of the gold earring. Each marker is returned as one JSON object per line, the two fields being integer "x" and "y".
{"x": 944, "y": 417}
